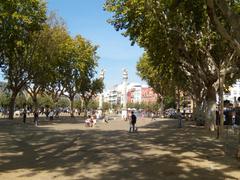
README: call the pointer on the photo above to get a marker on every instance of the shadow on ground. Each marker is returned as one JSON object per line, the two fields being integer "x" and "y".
{"x": 158, "y": 151}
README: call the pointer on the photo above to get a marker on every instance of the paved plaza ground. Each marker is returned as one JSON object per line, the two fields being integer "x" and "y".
{"x": 66, "y": 149}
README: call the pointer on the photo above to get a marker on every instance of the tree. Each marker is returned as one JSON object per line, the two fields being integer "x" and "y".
{"x": 42, "y": 69}
{"x": 78, "y": 64}
{"x": 4, "y": 100}
{"x": 169, "y": 102}
{"x": 161, "y": 78}
{"x": 21, "y": 101}
{"x": 45, "y": 101}
{"x": 225, "y": 19}
{"x": 106, "y": 106}
{"x": 18, "y": 23}
{"x": 179, "y": 47}
{"x": 63, "y": 103}
{"x": 78, "y": 104}
{"x": 228, "y": 12}
{"x": 92, "y": 104}
{"x": 89, "y": 88}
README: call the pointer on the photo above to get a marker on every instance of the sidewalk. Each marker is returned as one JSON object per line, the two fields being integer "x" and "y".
{"x": 72, "y": 151}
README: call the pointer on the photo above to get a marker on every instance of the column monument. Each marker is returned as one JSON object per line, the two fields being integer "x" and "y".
{"x": 100, "y": 105}
{"x": 124, "y": 94}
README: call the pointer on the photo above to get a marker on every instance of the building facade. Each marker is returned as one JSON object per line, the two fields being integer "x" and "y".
{"x": 136, "y": 93}
{"x": 148, "y": 95}
{"x": 234, "y": 92}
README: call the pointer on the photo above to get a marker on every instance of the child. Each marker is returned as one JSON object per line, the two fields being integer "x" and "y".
{"x": 88, "y": 121}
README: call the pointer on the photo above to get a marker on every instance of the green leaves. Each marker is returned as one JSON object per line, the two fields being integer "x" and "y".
{"x": 18, "y": 24}
{"x": 40, "y": 55}
{"x": 19, "y": 20}
{"x": 182, "y": 48}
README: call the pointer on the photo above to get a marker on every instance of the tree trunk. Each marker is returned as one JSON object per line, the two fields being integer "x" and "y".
{"x": 86, "y": 107}
{"x": 12, "y": 105}
{"x": 162, "y": 107}
{"x": 199, "y": 114}
{"x": 194, "y": 109}
{"x": 178, "y": 98}
{"x": 71, "y": 105}
{"x": 212, "y": 13}
{"x": 221, "y": 106}
{"x": 35, "y": 103}
{"x": 80, "y": 109}
{"x": 238, "y": 150}
{"x": 211, "y": 108}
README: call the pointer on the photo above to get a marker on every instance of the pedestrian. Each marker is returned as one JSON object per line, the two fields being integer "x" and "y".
{"x": 153, "y": 116}
{"x": 88, "y": 121}
{"x": 36, "y": 117}
{"x": 47, "y": 113}
{"x": 179, "y": 116}
{"x": 51, "y": 114}
{"x": 57, "y": 113}
{"x": 133, "y": 123}
{"x": 233, "y": 116}
{"x": 93, "y": 120}
{"x": 24, "y": 115}
{"x": 142, "y": 115}
{"x": 105, "y": 118}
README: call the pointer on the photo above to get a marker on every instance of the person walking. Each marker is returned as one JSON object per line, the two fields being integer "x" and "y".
{"x": 24, "y": 115}
{"x": 153, "y": 116}
{"x": 179, "y": 116}
{"x": 142, "y": 115}
{"x": 36, "y": 117}
{"x": 51, "y": 114}
{"x": 133, "y": 123}
{"x": 88, "y": 121}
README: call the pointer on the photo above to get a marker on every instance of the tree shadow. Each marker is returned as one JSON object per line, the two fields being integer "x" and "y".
{"x": 158, "y": 151}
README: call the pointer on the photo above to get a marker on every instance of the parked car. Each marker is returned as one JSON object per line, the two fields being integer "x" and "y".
{"x": 170, "y": 113}
{"x": 17, "y": 113}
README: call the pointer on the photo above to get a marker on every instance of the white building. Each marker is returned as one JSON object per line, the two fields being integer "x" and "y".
{"x": 136, "y": 92}
{"x": 114, "y": 95}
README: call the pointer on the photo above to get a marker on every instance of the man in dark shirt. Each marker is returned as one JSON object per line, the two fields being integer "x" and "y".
{"x": 36, "y": 117}
{"x": 133, "y": 123}
{"x": 24, "y": 115}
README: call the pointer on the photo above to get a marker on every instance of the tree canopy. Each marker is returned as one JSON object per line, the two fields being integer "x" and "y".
{"x": 182, "y": 46}
{"x": 38, "y": 55}
{"x": 19, "y": 21}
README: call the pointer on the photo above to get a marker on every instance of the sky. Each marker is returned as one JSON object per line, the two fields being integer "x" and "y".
{"x": 87, "y": 18}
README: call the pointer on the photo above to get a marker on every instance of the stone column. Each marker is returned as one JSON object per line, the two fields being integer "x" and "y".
{"x": 124, "y": 94}
{"x": 100, "y": 105}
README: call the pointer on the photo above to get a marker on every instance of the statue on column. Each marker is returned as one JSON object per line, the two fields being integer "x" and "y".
{"x": 124, "y": 94}
{"x": 100, "y": 106}
{"x": 125, "y": 74}
{"x": 102, "y": 73}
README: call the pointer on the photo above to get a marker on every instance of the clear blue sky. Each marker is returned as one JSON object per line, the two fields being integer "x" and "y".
{"x": 87, "y": 18}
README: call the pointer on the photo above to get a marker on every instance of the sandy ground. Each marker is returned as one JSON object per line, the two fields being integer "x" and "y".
{"x": 66, "y": 149}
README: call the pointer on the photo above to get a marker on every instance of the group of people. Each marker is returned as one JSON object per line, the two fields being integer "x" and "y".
{"x": 49, "y": 114}
{"x": 91, "y": 121}
{"x": 231, "y": 116}
{"x": 35, "y": 115}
